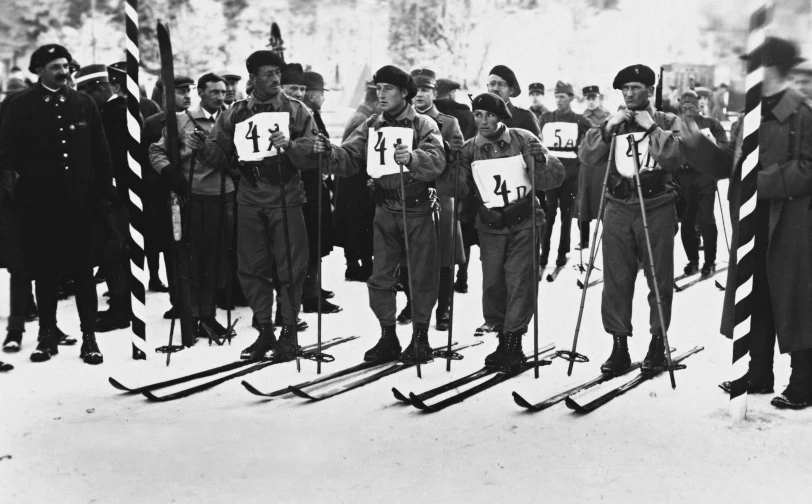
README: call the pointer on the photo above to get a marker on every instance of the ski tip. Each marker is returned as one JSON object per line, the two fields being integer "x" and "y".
{"x": 118, "y": 385}
{"x": 719, "y": 286}
{"x": 580, "y": 284}
{"x": 521, "y": 401}
{"x": 417, "y": 403}
{"x": 399, "y": 395}
{"x": 251, "y": 388}
{"x": 571, "y": 404}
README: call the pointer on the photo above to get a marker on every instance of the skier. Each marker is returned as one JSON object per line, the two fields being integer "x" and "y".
{"x": 285, "y": 124}
{"x": 504, "y": 219}
{"x": 783, "y": 239}
{"x": 398, "y": 136}
{"x": 624, "y": 239}
{"x": 562, "y": 131}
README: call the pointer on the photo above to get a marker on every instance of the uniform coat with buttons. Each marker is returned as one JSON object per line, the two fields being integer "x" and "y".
{"x": 55, "y": 142}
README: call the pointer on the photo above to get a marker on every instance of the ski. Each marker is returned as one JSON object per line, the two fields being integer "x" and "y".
{"x": 575, "y": 404}
{"x": 554, "y": 274}
{"x": 719, "y": 286}
{"x": 680, "y": 288}
{"x": 394, "y": 367}
{"x": 591, "y": 284}
{"x": 181, "y": 379}
{"x": 485, "y": 371}
{"x": 305, "y": 352}
{"x": 685, "y": 275}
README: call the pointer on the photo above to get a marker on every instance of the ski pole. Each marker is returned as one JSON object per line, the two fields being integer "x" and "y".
{"x": 534, "y": 266}
{"x": 318, "y": 270}
{"x": 722, "y": 214}
{"x": 408, "y": 260}
{"x": 572, "y": 356}
{"x": 453, "y": 260}
{"x": 291, "y": 282}
{"x": 636, "y": 162}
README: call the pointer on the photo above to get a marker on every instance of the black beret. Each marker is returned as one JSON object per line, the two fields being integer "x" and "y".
{"x": 446, "y": 86}
{"x": 491, "y": 103}
{"x": 293, "y": 74}
{"x": 423, "y": 77}
{"x": 314, "y": 81}
{"x": 263, "y": 58}
{"x": 536, "y": 87}
{"x": 635, "y": 73}
{"x": 776, "y": 52}
{"x": 393, "y": 75}
{"x": 590, "y": 90}
{"x": 46, "y": 54}
{"x": 117, "y": 73}
{"x": 89, "y": 76}
{"x": 510, "y": 77}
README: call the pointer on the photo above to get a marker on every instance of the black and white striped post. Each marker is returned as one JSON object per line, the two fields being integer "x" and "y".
{"x": 749, "y": 166}
{"x": 135, "y": 204}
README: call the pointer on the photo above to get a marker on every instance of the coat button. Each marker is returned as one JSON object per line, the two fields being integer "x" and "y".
{"x": 65, "y": 155}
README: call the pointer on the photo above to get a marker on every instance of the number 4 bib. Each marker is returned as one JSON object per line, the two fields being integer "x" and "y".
{"x": 252, "y": 137}
{"x": 381, "y": 149}
{"x": 624, "y": 159}
{"x": 501, "y": 181}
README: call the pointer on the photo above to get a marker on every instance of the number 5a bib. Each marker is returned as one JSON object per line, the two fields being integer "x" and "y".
{"x": 501, "y": 181}
{"x": 624, "y": 160}
{"x": 561, "y": 138}
{"x": 381, "y": 149}
{"x": 252, "y": 137}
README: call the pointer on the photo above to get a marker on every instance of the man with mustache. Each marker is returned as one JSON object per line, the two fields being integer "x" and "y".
{"x": 52, "y": 137}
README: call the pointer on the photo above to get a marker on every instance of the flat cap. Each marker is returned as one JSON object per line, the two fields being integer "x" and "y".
{"x": 446, "y": 86}
{"x": 689, "y": 96}
{"x": 228, "y": 74}
{"x": 635, "y": 73}
{"x": 46, "y": 54}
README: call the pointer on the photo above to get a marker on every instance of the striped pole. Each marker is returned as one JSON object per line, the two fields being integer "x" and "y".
{"x": 135, "y": 204}
{"x": 748, "y": 170}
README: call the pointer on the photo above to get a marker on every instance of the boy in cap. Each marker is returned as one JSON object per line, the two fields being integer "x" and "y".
{"x": 504, "y": 220}
{"x": 562, "y": 131}
{"x": 397, "y": 137}
{"x": 536, "y": 92}
{"x": 267, "y": 134}
{"x": 624, "y": 240}
{"x": 502, "y": 82}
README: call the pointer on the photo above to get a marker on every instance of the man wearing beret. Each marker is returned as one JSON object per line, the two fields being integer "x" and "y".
{"x": 590, "y": 178}
{"x": 536, "y": 92}
{"x": 781, "y": 290}
{"x": 562, "y": 133}
{"x": 426, "y": 83}
{"x": 270, "y": 152}
{"x": 381, "y": 144}
{"x": 502, "y": 82}
{"x": 53, "y": 138}
{"x": 314, "y": 99}
{"x": 624, "y": 240}
{"x": 506, "y": 158}
{"x": 354, "y": 210}
{"x": 700, "y": 193}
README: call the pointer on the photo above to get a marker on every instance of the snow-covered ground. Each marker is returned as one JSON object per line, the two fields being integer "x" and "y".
{"x": 71, "y": 437}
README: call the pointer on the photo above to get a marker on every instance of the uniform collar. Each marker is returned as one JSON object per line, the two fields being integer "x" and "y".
{"x": 276, "y": 102}
{"x": 431, "y": 112}
{"x": 405, "y": 119}
{"x": 503, "y": 141}
{"x": 788, "y": 104}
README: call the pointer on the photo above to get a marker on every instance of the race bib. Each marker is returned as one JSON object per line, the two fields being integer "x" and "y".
{"x": 561, "y": 138}
{"x": 501, "y": 181}
{"x": 252, "y": 137}
{"x": 624, "y": 160}
{"x": 381, "y": 149}
{"x": 708, "y": 135}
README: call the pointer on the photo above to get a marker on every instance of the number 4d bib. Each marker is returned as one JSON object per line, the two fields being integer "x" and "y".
{"x": 381, "y": 149}
{"x": 624, "y": 160}
{"x": 561, "y": 138}
{"x": 252, "y": 137}
{"x": 501, "y": 181}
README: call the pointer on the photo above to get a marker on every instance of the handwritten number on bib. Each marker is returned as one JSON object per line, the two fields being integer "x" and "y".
{"x": 272, "y": 131}
{"x": 252, "y": 135}
{"x": 501, "y": 189}
{"x": 380, "y": 147}
{"x": 629, "y": 153}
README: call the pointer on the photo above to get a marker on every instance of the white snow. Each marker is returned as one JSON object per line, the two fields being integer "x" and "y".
{"x": 73, "y": 438}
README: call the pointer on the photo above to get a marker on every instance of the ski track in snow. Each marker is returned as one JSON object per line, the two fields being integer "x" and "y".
{"x": 74, "y": 438}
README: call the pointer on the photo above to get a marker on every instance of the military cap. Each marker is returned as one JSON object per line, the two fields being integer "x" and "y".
{"x": 776, "y": 52}
{"x": 446, "y": 86}
{"x": 228, "y": 74}
{"x": 90, "y": 75}
{"x": 591, "y": 90}
{"x": 180, "y": 81}
{"x": 393, "y": 75}
{"x": 703, "y": 91}
{"x": 263, "y": 58}
{"x": 510, "y": 77}
{"x": 314, "y": 81}
{"x": 564, "y": 88}
{"x": 293, "y": 74}
{"x": 536, "y": 87}
{"x": 46, "y": 54}
{"x": 117, "y": 73}
{"x": 73, "y": 66}
{"x": 635, "y": 73}
{"x": 491, "y": 103}
{"x": 423, "y": 77}
{"x": 689, "y": 96}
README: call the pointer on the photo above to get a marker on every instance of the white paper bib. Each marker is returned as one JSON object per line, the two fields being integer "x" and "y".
{"x": 501, "y": 181}
{"x": 381, "y": 149}
{"x": 561, "y": 138}
{"x": 624, "y": 160}
{"x": 252, "y": 137}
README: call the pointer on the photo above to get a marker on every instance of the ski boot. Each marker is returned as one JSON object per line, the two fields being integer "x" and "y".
{"x": 286, "y": 348}
{"x": 544, "y": 259}
{"x": 619, "y": 359}
{"x": 561, "y": 260}
{"x": 5, "y": 367}
{"x": 325, "y": 294}
{"x": 311, "y": 305}
{"x": 798, "y": 394}
{"x": 63, "y": 339}
{"x": 170, "y": 314}
{"x": 264, "y": 343}
{"x": 443, "y": 320}
{"x": 753, "y": 386}
{"x": 418, "y": 349}
{"x": 212, "y": 330}
{"x": 116, "y": 317}
{"x": 655, "y": 358}
{"x": 486, "y": 328}
{"x": 405, "y": 316}
{"x": 508, "y": 355}
{"x": 708, "y": 269}
{"x": 461, "y": 285}
{"x": 13, "y": 341}
{"x": 90, "y": 352}
{"x": 691, "y": 268}
{"x": 387, "y": 348}
{"x": 47, "y": 345}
